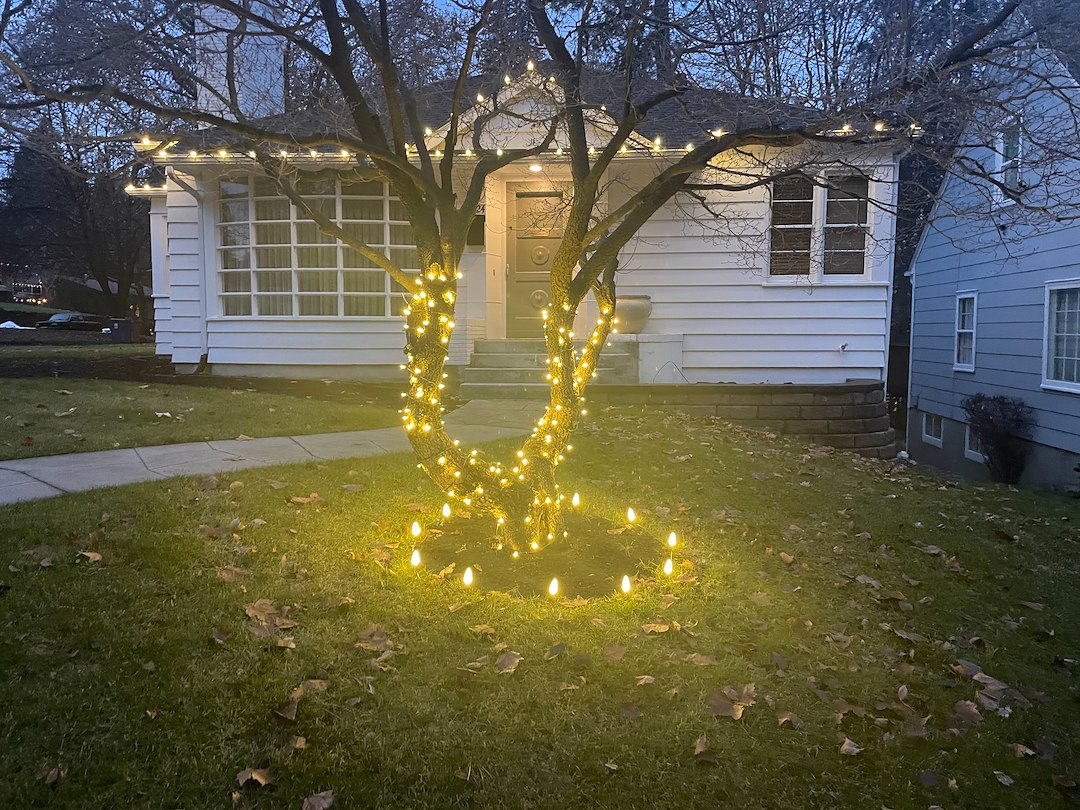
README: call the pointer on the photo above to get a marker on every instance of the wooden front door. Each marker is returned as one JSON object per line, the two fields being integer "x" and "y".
{"x": 536, "y": 228}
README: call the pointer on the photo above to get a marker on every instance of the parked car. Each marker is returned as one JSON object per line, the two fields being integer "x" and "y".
{"x": 71, "y": 320}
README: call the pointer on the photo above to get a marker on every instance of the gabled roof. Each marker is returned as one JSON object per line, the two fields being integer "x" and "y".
{"x": 688, "y": 118}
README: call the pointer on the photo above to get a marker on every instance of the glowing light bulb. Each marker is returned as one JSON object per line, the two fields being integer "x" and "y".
{"x": 576, "y": 500}
{"x": 467, "y": 577}
{"x": 514, "y": 555}
{"x": 625, "y": 584}
{"x": 553, "y": 587}
{"x": 415, "y": 529}
{"x": 631, "y": 515}
{"x": 415, "y": 559}
{"x": 671, "y": 540}
{"x": 668, "y": 566}
{"x": 446, "y": 510}
{"x": 534, "y": 546}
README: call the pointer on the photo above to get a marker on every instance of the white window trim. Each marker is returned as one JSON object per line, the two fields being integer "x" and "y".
{"x": 970, "y": 454}
{"x": 1002, "y": 199}
{"x": 217, "y": 308}
{"x": 933, "y": 441}
{"x": 1048, "y": 383}
{"x": 974, "y": 296}
{"x": 817, "y": 274}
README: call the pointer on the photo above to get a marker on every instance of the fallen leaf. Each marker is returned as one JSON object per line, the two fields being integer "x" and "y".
{"x": 1036, "y": 606}
{"x": 483, "y": 629}
{"x": 644, "y": 680}
{"x": 319, "y": 801}
{"x": 219, "y": 636}
{"x": 729, "y": 702}
{"x": 260, "y": 776}
{"x": 789, "y": 717}
{"x": 655, "y": 628}
{"x": 555, "y": 651}
{"x": 1062, "y": 781}
{"x": 92, "y": 556}
{"x": 231, "y": 573}
{"x": 298, "y": 743}
{"x": 702, "y": 754}
{"x": 277, "y": 484}
{"x": 508, "y": 662}
{"x": 1021, "y": 750}
{"x": 352, "y": 488}
{"x": 1004, "y": 778}
{"x": 614, "y": 652}
{"x": 849, "y": 747}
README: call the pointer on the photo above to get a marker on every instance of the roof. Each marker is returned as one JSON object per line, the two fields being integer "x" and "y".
{"x": 689, "y": 117}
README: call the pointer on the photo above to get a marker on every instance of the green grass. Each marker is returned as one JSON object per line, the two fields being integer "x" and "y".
{"x": 110, "y": 671}
{"x": 37, "y": 417}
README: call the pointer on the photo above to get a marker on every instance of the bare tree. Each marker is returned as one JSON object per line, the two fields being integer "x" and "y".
{"x": 806, "y": 83}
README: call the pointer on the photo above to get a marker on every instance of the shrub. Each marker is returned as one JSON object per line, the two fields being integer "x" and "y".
{"x": 1003, "y": 425}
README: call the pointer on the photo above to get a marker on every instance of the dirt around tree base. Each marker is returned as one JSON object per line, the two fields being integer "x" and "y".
{"x": 589, "y": 563}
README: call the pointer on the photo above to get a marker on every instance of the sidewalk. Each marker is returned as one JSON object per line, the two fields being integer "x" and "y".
{"x": 47, "y": 476}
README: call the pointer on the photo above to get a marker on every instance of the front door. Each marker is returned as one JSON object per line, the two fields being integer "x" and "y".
{"x": 536, "y": 228}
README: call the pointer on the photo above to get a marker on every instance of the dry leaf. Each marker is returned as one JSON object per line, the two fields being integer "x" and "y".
{"x": 1004, "y": 778}
{"x": 483, "y": 629}
{"x": 1021, "y": 750}
{"x": 92, "y": 556}
{"x": 260, "y": 776}
{"x": 277, "y": 484}
{"x": 644, "y": 680}
{"x": 320, "y": 801}
{"x": 508, "y": 662}
{"x": 298, "y": 743}
{"x": 729, "y": 702}
{"x": 614, "y": 652}
{"x": 789, "y": 717}
{"x": 655, "y": 628}
{"x": 850, "y": 747}
{"x": 702, "y": 754}
{"x": 555, "y": 651}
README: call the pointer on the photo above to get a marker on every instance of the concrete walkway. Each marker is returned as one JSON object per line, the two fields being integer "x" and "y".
{"x": 47, "y": 476}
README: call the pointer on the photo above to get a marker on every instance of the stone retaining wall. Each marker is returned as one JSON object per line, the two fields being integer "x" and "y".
{"x": 852, "y": 415}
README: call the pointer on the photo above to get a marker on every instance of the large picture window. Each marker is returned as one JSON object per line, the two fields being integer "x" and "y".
{"x": 1063, "y": 337}
{"x": 819, "y": 228}
{"x": 274, "y": 262}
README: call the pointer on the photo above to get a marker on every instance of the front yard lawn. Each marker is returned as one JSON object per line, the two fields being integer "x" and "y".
{"x": 46, "y": 416}
{"x": 837, "y": 632}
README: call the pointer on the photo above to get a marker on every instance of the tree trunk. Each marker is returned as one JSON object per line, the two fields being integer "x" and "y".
{"x": 523, "y": 495}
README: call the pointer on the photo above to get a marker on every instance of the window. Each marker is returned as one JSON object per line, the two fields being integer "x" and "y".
{"x": 964, "y": 351}
{"x": 973, "y": 445}
{"x": 819, "y": 227}
{"x": 275, "y": 262}
{"x": 1010, "y": 153}
{"x": 1062, "y": 370}
{"x": 933, "y": 429}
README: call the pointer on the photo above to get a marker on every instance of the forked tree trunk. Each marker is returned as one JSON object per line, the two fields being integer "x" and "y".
{"x": 523, "y": 493}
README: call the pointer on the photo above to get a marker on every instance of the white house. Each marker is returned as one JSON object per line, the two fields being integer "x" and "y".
{"x": 787, "y": 283}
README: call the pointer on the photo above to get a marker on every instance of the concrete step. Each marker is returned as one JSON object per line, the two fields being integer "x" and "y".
{"x": 472, "y": 374}
{"x": 611, "y": 359}
{"x": 502, "y": 391}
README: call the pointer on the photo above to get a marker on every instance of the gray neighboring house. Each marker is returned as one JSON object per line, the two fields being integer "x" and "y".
{"x": 996, "y": 286}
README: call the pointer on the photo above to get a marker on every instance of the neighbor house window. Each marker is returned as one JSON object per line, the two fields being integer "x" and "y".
{"x": 973, "y": 445}
{"x": 933, "y": 429}
{"x": 274, "y": 262}
{"x": 964, "y": 352}
{"x": 1063, "y": 337}
{"x": 1010, "y": 154}
{"x": 819, "y": 227}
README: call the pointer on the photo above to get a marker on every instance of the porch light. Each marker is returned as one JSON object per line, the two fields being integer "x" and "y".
{"x": 535, "y": 167}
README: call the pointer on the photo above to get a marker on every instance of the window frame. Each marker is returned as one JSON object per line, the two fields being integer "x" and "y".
{"x": 819, "y": 227}
{"x": 972, "y": 453}
{"x": 929, "y": 438}
{"x": 294, "y": 221}
{"x": 1049, "y": 383}
{"x": 1003, "y": 165}
{"x": 973, "y": 296}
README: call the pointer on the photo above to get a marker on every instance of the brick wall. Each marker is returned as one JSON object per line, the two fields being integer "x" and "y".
{"x": 852, "y": 415}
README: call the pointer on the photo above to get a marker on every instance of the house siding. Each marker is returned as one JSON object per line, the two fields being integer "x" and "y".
{"x": 1007, "y": 259}
{"x": 740, "y": 325}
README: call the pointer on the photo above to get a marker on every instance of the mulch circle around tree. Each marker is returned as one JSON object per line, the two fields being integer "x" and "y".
{"x": 590, "y": 562}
